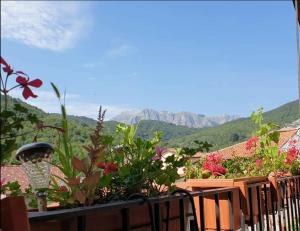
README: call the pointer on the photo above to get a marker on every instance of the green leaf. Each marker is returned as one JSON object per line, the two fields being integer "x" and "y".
{"x": 55, "y": 90}
{"x": 105, "y": 180}
{"x": 124, "y": 171}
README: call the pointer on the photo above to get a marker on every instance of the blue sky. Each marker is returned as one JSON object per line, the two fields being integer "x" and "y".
{"x": 204, "y": 57}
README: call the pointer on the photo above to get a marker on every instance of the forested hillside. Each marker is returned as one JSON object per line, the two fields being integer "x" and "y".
{"x": 238, "y": 130}
{"x": 173, "y": 135}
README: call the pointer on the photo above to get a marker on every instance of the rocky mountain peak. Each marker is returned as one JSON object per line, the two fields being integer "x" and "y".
{"x": 183, "y": 118}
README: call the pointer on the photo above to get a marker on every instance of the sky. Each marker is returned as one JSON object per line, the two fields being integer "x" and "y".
{"x": 210, "y": 58}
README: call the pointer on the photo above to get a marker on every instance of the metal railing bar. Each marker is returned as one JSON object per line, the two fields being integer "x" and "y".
{"x": 252, "y": 185}
{"x": 260, "y": 218}
{"x": 181, "y": 214}
{"x": 157, "y": 216}
{"x": 251, "y": 209}
{"x": 297, "y": 195}
{"x": 287, "y": 205}
{"x": 266, "y": 207}
{"x": 201, "y": 208}
{"x": 81, "y": 225}
{"x": 280, "y": 207}
{"x": 167, "y": 203}
{"x": 125, "y": 219}
{"x": 291, "y": 203}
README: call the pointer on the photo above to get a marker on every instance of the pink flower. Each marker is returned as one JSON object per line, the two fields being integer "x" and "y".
{"x": 218, "y": 170}
{"x": 214, "y": 157}
{"x": 213, "y": 163}
{"x": 259, "y": 163}
{"x": 25, "y": 83}
{"x": 251, "y": 143}
{"x": 158, "y": 154}
{"x": 292, "y": 155}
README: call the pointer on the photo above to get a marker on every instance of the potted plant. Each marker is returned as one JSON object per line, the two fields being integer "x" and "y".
{"x": 111, "y": 171}
{"x": 265, "y": 160}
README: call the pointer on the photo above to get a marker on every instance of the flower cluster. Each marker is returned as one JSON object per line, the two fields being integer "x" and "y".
{"x": 107, "y": 167}
{"x": 292, "y": 153}
{"x": 252, "y": 143}
{"x": 213, "y": 164}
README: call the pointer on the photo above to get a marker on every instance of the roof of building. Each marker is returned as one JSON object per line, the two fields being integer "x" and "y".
{"x": 239, "y": 149}
{"x": 16, "y": 173}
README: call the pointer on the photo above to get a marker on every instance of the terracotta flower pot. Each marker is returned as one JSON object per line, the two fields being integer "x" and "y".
{"x": 241, "y": 193}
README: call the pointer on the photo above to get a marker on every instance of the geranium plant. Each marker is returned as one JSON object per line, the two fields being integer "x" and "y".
{"x": 14, "y": 116}
{"x": 264, "y": 157}
{"x": 209, "y": 166}
{"x": 264, "y": 145}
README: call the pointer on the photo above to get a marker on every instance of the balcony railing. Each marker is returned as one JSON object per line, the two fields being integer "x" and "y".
{"x": 272, "y": 205}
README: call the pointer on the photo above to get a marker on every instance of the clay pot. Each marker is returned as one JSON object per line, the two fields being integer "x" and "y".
{"x": 240, "y": 200}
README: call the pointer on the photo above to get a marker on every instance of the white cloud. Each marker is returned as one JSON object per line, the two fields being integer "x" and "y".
{"x": 48, "y": 102}
{"x": 121, "y": 50}
{"x": 117, "y": 51}
{"x": 49, "y": 25}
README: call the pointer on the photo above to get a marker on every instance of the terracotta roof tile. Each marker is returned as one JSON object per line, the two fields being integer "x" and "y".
{"x": 16, "y": 173}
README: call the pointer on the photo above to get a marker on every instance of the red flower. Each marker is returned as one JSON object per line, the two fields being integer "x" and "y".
{"x": 107, "y": 167}
{"x": 101, "y": 165}
{"x": 292, "y": 154}
{"x": 213, "y": 163}
{"x": 218, "y": 170}
{"x": 25, "y": 83}
{"x": 113, "y": 167}
{"x": 63, "y": 188}
{"x": 258, "y": 163}
{"x": 214, "y": 157}
{"x": 251, "y": 143}
{"x": 6, "y": 67}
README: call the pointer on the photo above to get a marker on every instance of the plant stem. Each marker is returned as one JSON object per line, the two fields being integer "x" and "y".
{"x": 14, "y": 87}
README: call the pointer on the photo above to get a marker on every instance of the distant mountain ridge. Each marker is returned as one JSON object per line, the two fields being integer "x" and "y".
{"x": 188, "y": 119}
{"x": 221, "y": 136}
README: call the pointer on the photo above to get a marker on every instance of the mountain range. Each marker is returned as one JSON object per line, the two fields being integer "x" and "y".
{"x": 219, "y": 136}
{"x": 188, "y": 119}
